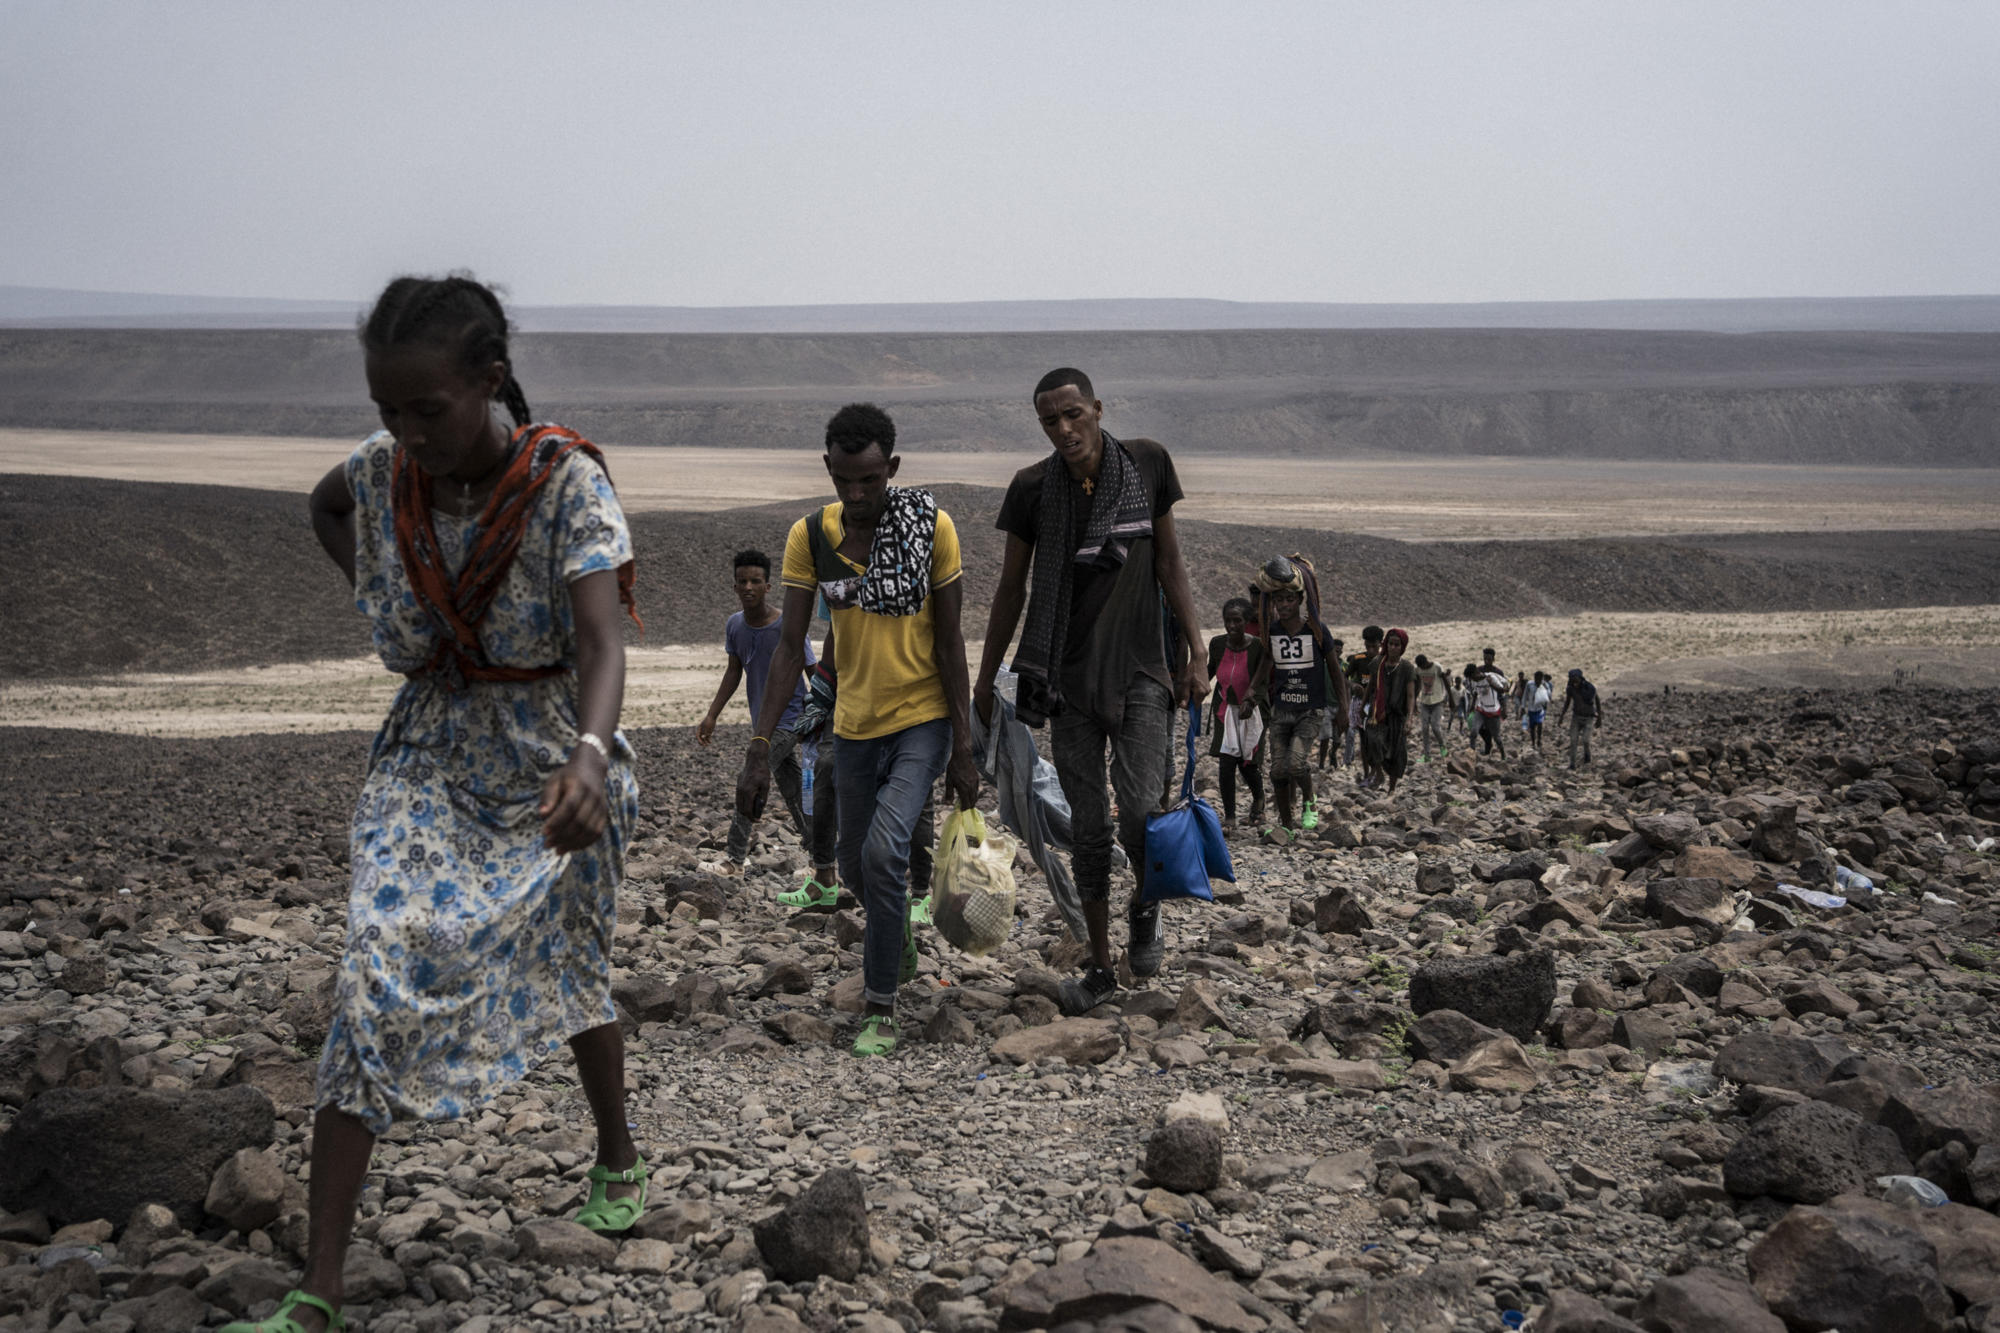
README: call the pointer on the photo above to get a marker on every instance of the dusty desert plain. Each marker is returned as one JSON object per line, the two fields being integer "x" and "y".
{"x": 1620, "y": 1047}
{"x": 1243, "y": 510}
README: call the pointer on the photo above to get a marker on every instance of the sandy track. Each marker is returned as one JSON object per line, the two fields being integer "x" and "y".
{"x": 1626, "y": 654}
{"x": 1424, "y": 499}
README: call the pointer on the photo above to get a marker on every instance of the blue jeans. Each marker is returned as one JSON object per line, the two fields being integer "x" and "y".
{"x": 883, "y": 784}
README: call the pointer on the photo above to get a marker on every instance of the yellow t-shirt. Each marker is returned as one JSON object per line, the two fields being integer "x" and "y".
{"x": 889, "y": 678}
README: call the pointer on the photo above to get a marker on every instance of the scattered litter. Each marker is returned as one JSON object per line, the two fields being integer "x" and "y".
{"x": 1854, "y": 881}
{"x": 1930, "y": 897}
{"x": 1812, "y": 896}
{"x": 1914, "y": 1190}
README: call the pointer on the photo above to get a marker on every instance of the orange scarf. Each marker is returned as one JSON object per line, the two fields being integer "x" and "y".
{"x": 456, "y": 607}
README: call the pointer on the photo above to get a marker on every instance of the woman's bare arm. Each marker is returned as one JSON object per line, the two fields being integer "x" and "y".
{"x": 332, "y": 508}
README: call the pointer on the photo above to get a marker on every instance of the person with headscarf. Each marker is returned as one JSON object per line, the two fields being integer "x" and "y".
{"x": 1393, "y": 706}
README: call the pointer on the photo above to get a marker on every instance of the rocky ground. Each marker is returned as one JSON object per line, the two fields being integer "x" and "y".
{"x": 1514, "y": 1042}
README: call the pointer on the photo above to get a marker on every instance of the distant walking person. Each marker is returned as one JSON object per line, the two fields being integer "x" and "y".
{"x": 492, "y": 562}
{"x": 1335, "y": 734}
{"x": 1535, "y": 707}
{"x": 886, "y": 559}
{"x": 750, "y": 639}
{"x": 1394, "y": 706}
{"x": 1237, "y": 715}
{"x": 1358, "y": 673}
{"x": 1095, "y": 520}
{"x": 1296, "y": 676}
{"x": 1488, "y": 688}
{"x": 1433, "y": 700}
{"x": 1580, "y": 695}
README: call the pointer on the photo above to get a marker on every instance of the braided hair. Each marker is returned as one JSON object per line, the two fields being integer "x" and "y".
{"x": 457, "y": 311}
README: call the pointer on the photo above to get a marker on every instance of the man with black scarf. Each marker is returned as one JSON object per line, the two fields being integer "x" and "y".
{"x": 1095, "y": 521}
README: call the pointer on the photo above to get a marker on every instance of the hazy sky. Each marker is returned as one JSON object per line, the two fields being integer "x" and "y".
{"x": 745, "y": 154}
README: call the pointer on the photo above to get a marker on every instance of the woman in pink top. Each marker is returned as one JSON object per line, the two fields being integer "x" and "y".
{"x": 1233, "y": 659}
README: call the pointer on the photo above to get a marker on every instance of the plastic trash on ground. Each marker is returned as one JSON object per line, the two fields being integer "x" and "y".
{"x": 972, "y": 884}
{"x": 1930, "y": 897}
{"x": 1812, "y": 897}
{"x": 1853, "y": 882}
{"x": 1911, "y": 1190}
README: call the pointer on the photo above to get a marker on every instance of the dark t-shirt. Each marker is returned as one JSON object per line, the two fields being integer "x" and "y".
{"x": 1021, "y": 516}
{"x": 1298, "y": 666}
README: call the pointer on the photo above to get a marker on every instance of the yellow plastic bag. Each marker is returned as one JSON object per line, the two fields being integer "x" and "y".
{"x": 972, "y": 884}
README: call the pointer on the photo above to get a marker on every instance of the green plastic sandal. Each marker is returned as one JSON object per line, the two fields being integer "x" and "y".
{"x": 878, "y": 1035}
{"x": 1310, "y": 819}
{"x": 920, "y": 911}
{"x": 603, "y": 1213}
{"x": 811, "y": 894}
{"x": 281, "y": 1321}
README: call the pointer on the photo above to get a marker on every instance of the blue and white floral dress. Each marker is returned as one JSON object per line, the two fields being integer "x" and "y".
{"x": 473, "y": 951}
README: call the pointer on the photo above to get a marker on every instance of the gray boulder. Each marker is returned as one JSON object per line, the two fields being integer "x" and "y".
{"x": 1700, "y": 904}
{"x": 1775, "y": 1060}
{"x": 1185, "y": 1156}
{"x": 1446, "y": 1036}
{"x": 1809, "y": 1153}
{"x": 1514, "y": 993}
{"x": 77, "y": 1154}
{"x": 1702, "y": 1300}
{"x": 823, "y": 1232}
{"x": 1855, "y": 1265}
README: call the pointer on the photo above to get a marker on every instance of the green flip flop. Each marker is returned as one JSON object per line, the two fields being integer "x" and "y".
{"x": 811, "y": 894}
{"x": 281, "y": 1321}
{"x": 603, "y": 1213}
{"x": 878, "y": 1035}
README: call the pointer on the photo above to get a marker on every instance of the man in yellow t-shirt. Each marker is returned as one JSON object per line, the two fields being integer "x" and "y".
{"x": 886, "y": 560}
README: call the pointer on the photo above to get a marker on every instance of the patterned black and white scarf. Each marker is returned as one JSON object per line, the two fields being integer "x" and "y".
{"x": 1120, "y": 513}
{"x": 899, "y": 560}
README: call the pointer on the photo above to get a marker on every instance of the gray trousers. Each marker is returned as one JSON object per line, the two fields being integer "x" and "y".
{"x": 1433, "y": 725}
{"x": 1141, "y": 768}
{"x": 1579, "y": 736}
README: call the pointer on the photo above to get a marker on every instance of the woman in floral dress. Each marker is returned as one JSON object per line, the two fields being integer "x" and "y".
{"x": 490, "y": 834}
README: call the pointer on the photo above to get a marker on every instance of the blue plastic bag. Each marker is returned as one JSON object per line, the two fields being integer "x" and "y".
{"x": 1185, "y": 848}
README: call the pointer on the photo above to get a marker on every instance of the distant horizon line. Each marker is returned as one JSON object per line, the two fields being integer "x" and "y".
{"x": 29, "y": 307}
{"x": 8, "y": 289}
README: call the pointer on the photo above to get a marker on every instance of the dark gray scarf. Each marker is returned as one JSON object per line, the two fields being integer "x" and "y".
{"x": 1120, "y": 512}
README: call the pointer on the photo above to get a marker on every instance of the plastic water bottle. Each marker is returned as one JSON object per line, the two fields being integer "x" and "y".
{"x": 806, "y": 784}
{"x": 1852, "y": 881}
{"x": 1912, "y": 1190}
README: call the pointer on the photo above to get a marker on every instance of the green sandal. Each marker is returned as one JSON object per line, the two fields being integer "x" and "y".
{"x": 920, "y": 911}
{"x": 812, "y": 894}
{"x": 1310, "y": 819}
{"x": 878, "y": 1035}
{"x": 281, "y": 1321}
{"x": 607, "y": 1214}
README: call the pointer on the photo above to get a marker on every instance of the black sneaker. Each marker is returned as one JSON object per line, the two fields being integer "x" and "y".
{"x": 1082, "y": 994}
{"x": 1149, "y": 941}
